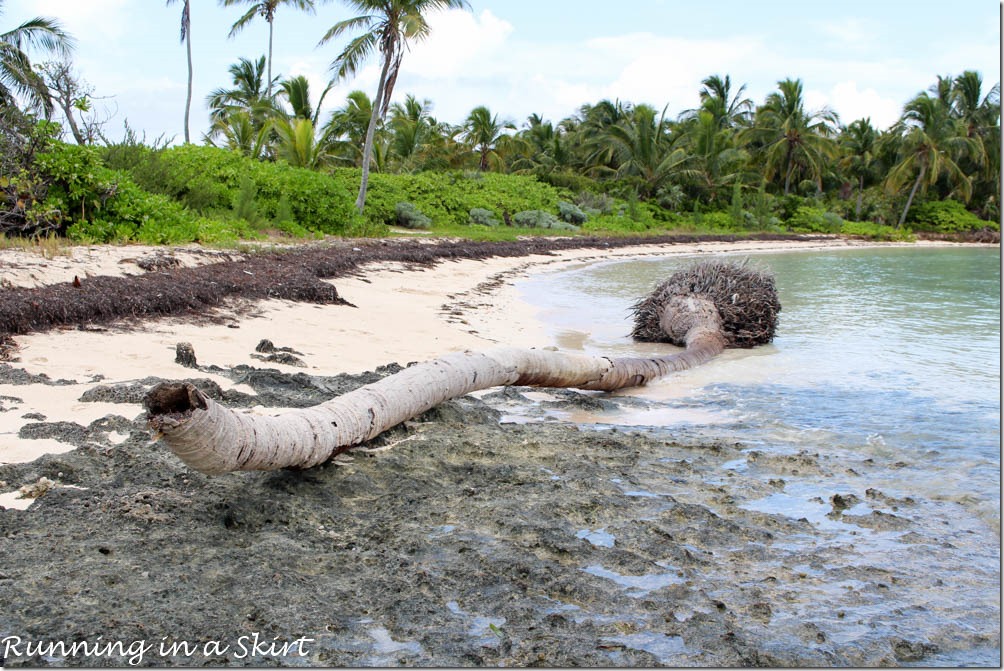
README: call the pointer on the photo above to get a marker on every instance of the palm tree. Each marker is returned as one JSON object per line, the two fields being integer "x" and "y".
{"x": 791, "y": 139}
{"x": 298, "y": 141}
{"x": 349, "y": 125}
{"x": 858, "y": 143}
{"x": 413, "y": 129}
{"x": 387, "y": 27}
{"x": 592, "y": 122}
{"x": 981, "y": 115}
{"x": 186, "y": 38}
{"x": 547, "y": 149}
{"x": 248, "y": 94}
{"x": 266, "y": 9}
{"x": 17, "y": 77}
{"x": 978, "y": 113}
{"x": 716, "y": 162}
{"x": 300, "y": 145}
{"x": 485, "y": 134}
{"x": 296, "y": 91}
{"x": 239, "y": 131}
{"x": 728, "y": 111}
{"x": 930, "y": 144}
{"x": 642, "y": 146}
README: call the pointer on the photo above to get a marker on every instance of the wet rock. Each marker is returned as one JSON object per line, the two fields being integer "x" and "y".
{"x": 65, "y": 431}
{"x": 841, "y": 502}
{"x": 36, "y": 489}
{"x": 19, "y": 376}
{"x": 912, "y": 651}
{"x": 282, "y": 357}
{"x": 185, "y": 355}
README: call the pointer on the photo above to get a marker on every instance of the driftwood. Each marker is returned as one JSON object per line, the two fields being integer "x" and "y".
{"x": 214, "y": 439}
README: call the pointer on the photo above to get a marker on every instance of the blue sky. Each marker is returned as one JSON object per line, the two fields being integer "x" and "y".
{"x": 544, "y": 56}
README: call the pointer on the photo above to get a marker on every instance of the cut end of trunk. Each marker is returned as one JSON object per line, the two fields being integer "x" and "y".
{"x": 174, "y": 400}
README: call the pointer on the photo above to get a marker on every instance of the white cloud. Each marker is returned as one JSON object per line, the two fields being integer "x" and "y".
{"x": 853, "y": 104}
{"x": 667, "y": 70}
{"x": 459, "y": 43}
{"x": 102, "y": 19}
{"x": 850, "y": 32}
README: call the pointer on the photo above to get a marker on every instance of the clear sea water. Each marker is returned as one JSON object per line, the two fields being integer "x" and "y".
{"x": 887, "y": 350}
{"x": 890, "y": 354}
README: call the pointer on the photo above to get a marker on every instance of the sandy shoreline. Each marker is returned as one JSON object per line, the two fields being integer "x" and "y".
{"x": 402, "y": 316}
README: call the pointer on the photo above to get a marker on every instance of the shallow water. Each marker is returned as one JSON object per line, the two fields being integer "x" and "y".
{"x": 878, "y": 351}
{"x": 891, "y": 356}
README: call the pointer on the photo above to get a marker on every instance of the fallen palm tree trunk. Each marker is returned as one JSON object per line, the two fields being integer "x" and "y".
{"x": 214, "y": 439}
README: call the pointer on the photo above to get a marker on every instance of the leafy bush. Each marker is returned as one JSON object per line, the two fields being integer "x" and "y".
{"x": 614, "y": 223}
{"x": 571, "y": 213}
{"x": 482, "y": 217}
{"x": 595, "y": 203}
{"x": 946, "y": 216}
{"x": 410, "y": 216}
{"x": 872, "y": 231}
{"x": 246, "y": 205}
{"x": 807, "y": 219}
{"x": 209, "y": 178}
{"x": 541, "y": 219}
{"x": 718, "y": 221}
{"x": 448, "y": 198}
{"x": 788, "y": 205}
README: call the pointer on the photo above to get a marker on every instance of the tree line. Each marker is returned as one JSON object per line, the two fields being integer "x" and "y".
{"x": 945, "y": 145}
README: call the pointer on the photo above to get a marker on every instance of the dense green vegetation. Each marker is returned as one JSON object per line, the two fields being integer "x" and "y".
{"x": 270, "y": 165}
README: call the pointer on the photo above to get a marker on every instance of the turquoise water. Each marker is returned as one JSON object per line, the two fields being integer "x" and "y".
{"x": 885, "y": 370}
{"x": 885, "y": 352}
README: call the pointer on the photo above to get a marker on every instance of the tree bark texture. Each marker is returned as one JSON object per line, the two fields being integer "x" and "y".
{"x": 214, "y": 439}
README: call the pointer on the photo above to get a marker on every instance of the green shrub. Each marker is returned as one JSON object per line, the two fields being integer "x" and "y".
{"x": 448, "y": 198}
{"x": 410, "y": 216}
{"x": 595, "y": 203}
{"x": 246, "y": 204}
{"x": 482, "y": 217}
{"x": 945, "y": 216}
{"x": 718, "y": 221}
{"x": 541, "y": 219}
{"x": 614, "y": 223}
{"x": 570, "y": 213}
{"x": 872, "y": 231}
{"x": 210, "y": 177}
{"x": 788, "y": 205}
{"x": 807, "y": 219}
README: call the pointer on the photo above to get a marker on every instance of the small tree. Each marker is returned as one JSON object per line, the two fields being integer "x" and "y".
{"x": 388, "y": 25}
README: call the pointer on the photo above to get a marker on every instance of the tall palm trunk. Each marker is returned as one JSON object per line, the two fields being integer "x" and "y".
{"x": 861, "y": 196}
{"x": 913, "y": 192}
{"x": 188, "y": 99}
{"x": 213, "y": 439}
{"x": 269, "y": 86}
{"x": 704, "y": 309}
{"x": 371, "y": 132}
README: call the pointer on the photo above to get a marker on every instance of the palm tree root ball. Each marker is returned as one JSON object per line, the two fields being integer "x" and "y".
{"x": 745, "y": 299}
